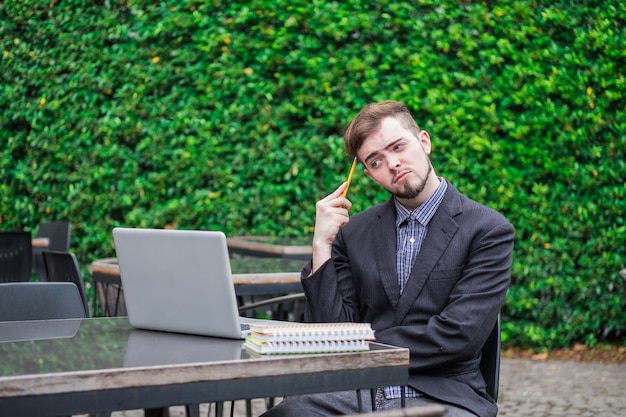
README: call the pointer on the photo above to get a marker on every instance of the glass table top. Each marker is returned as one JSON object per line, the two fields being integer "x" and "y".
{"x": 102, "y": 343}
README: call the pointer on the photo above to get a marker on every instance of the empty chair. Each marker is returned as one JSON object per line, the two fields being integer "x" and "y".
{"x": 15, "y": 256}
{"x": 40, "y": 301}
{"x": 63, "y": 267}
{"x": 59, "y": 235}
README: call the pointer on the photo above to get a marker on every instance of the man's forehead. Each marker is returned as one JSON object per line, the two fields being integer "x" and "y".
{"x": 389, "y": 130}
{"x": 376, "y": 146}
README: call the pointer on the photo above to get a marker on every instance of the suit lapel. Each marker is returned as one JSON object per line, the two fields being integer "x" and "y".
{"x": 441, "y": 230}
{"x": 386, "y": 252}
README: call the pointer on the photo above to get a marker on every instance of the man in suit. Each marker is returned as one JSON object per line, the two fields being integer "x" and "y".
{"x": 429, "y": 269}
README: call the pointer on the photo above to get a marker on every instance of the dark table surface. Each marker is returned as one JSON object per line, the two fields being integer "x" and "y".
{"x": 74, "y": 366}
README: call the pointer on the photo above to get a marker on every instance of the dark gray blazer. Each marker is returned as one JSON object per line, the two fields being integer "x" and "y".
{"x": 449, "y": 305}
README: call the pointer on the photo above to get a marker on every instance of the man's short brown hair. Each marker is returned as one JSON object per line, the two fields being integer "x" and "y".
{"x": 368, "y": 120}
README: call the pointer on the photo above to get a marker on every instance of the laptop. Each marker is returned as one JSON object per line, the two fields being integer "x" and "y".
{"x": 178, "y": 281}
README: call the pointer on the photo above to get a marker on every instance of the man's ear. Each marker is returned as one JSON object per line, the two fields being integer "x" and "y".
{"x": 424, "y": 139}
{"x": 366, "y": 172}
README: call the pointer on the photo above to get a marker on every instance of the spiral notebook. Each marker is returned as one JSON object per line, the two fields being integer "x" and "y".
{"x": 298, "y": 338}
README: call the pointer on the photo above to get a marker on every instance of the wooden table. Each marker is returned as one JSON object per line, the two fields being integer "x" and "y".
{"x": 39, "y": 245}
{"x": 40, "y": 242}
{"x": 253, "y": 278}
{"x": 268, "y": 278}
{"x": 265, "y": 246}
{"x": 78, "y": 366}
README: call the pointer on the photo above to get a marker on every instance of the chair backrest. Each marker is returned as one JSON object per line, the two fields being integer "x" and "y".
{"x": 16, "y": 256}
{"x": 63, "y": 267}
{"x": 490, "y": 361}
{"x": 58, "y": 233}
{"x": 40, "y": 301}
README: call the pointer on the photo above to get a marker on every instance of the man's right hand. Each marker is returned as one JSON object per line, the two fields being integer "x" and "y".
{"x": 331, "y": 213}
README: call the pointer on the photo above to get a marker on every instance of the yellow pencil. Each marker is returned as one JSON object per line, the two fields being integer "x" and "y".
{"x": 345, "y": 191}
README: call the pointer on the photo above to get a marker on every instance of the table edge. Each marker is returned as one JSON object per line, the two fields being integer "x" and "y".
{"x": 164, "y": 375}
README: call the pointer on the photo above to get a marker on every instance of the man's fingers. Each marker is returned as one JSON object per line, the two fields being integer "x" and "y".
{"x": 336, "y": 193}
{"x": 335, "y": 199}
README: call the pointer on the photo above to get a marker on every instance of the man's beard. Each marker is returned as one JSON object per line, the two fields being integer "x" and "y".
{"x": 411, "y": 191}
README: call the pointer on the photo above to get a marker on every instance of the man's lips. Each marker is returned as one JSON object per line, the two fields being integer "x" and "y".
{"x": 401, "y": 176}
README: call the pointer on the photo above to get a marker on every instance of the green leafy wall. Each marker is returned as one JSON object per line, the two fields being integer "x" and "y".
{"x": 228, "y": 115}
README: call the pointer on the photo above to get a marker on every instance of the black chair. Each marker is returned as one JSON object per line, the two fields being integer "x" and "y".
{"x": 59, "y": 235}
{"x": 63, "y": 267}
{"x": 16, "y": 253}
{"x": 490, "y": 361}
{"x": 40, "y": 301}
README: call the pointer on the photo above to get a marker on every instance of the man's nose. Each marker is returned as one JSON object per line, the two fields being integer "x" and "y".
{"x": 394, "y": 162}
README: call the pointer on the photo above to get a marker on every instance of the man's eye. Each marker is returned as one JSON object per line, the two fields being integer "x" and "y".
{"x": 399, "y": 146}
{"x": 374, "y": 164}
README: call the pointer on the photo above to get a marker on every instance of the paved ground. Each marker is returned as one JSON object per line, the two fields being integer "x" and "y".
{"x": 559, "y": 388}
{"x": 527, "y": 389}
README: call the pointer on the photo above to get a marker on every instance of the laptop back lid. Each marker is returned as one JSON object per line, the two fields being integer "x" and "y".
{"x": 178, "y": 281}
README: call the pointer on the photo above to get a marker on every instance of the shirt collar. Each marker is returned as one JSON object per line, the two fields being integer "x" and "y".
{"x": 425, "y": 211}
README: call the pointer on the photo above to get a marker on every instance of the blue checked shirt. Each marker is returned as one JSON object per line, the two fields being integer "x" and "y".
{"x": 411, "y": 228}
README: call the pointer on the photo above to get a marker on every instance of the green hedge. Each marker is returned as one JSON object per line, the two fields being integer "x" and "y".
{"x": 228, "y": 115}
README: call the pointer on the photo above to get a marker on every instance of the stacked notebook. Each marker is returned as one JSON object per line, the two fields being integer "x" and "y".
{"x": 297, "y": 338}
